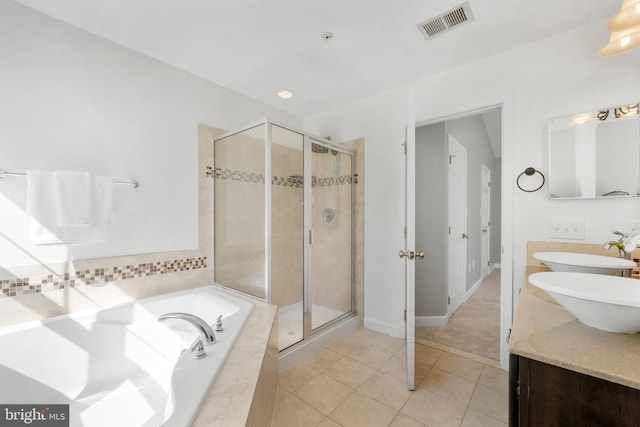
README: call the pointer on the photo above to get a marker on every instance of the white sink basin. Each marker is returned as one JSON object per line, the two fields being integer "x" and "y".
{"x": 604, "y": 302}
{"x": 584, "y": 263}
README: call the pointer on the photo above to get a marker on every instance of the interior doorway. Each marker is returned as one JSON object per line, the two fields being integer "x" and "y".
{"x": 437, "y": 320}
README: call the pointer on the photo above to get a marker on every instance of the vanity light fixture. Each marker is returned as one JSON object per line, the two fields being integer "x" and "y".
{"x": 627, "y": 110}
{"x": 625, "y": 29}
{"x": 285, "y": 94}
{"x": 582, "y": 119}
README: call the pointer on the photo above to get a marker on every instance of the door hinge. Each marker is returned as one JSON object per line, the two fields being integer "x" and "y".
{"x": 488, "y": 223}
{"x": 450, "y": 157}
{"x": 449, "y": 229}
{"x": 311, "y": 237}
{"x": 449, "y": 300}
{"x": 508, "y": 336}
{"x": 489, "y": 184}
{"x": 404, "y": 148}
{"x": 405, "y": 315}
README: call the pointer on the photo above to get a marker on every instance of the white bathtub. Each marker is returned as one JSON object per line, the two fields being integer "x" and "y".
{"x": 120, "y": 366}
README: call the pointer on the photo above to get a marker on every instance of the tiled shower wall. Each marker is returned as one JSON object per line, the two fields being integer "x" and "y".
{"x": 41, "y": 290}
{"x": 332, "y": 242}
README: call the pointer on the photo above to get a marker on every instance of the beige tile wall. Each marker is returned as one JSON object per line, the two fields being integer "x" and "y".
{"x": 332, "y": 246}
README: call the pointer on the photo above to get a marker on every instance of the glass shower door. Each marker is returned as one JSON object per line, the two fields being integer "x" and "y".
{"x": 239, "y": 197}
{"x": 331, "y": 221}
{"x": 287, "y": 236}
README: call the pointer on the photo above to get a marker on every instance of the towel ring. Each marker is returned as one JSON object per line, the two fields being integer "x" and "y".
{"x": 529, "y": 171}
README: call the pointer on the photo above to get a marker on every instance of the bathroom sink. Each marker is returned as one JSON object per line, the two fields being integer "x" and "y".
{"x": 604, "y": 302}
{"x": 583, "y": 263}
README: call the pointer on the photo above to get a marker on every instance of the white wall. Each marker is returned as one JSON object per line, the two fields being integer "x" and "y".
{"x": 550, "y": 78}
{"x": 73, "y": 101}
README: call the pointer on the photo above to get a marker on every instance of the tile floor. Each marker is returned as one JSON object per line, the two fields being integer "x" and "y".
{"x": 360, "y": 380}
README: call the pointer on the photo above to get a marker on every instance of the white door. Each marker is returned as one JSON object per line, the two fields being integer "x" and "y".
{"x": 408, "y": 253}
{"x": 485, "y": 222}
{"x": 458, "y": 235}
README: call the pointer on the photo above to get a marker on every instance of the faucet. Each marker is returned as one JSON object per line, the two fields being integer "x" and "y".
{"x": 621, "y": 244}
{"x": 207, "y": 335}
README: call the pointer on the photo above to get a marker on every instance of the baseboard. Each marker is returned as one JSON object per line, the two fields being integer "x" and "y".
{"x": 384, "y": 328}
{"x": 431, "y": 320}
{"x": 473, "y": 289}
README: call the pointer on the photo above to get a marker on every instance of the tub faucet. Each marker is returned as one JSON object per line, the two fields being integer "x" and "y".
{"x": 207, "y": 335}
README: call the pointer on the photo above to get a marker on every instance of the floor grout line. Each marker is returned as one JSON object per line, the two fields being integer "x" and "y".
{"x": 368, "y": 339}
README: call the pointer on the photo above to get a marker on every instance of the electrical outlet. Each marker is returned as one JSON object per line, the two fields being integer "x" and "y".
{"x": 573, "y": 230}
{"x": 631, "y": 227}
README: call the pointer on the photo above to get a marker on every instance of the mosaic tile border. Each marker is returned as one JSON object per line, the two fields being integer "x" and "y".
{"x": 294, "y": 181}
{"x": 236, "y": 175}
{"x": 97, "y": 276}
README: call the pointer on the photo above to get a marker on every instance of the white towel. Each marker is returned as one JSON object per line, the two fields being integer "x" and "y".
{"x": 73, "y": 198}
{"x": 41, "y": 208}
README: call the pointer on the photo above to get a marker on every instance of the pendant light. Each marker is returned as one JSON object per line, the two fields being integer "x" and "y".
{"x": 625, "y": 29}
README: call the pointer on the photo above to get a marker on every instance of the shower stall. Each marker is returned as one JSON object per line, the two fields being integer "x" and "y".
{"x": 284, "y": 229}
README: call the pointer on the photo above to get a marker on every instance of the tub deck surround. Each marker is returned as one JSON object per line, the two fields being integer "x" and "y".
{"x": 121, "y": 366}
{"x": 544, "y": 331}
{"x": 245, "y": 391}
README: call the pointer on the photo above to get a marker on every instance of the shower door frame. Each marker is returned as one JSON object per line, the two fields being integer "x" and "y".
{"x": 308, "y": 233}
{"x": 308, "y": 139}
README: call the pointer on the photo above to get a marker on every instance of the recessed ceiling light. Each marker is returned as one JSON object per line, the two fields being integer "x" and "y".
{"x": 327, "y": 36}
{"x": 285, "y": 94}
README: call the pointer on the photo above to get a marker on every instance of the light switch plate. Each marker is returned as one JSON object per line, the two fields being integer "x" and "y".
{"x": 573, "y": 230}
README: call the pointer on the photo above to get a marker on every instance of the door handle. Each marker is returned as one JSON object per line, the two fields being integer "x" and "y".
{"x": 465, "y": 236}
{"x": 411, "y": 254}
{"x": 408, "y": 254}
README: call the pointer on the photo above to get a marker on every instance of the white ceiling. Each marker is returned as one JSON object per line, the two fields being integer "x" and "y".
{"x": 258, "y": 47}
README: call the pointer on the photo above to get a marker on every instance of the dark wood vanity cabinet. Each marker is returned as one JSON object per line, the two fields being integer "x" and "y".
{"x": 547, "y": 396}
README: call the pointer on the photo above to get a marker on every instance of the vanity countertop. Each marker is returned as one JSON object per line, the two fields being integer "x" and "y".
{"x": 544, "y": 331}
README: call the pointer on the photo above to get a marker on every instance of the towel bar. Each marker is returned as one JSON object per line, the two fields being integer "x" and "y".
{"x": 132, "y": 184}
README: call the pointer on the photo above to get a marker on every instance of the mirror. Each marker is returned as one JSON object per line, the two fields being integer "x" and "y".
{"x": 595, "y": 154}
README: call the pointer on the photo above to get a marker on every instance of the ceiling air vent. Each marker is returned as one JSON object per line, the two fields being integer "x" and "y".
{"x": 446, "y": 21}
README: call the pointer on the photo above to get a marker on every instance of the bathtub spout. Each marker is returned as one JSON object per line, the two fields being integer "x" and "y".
{"x": 207, "y": 334}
